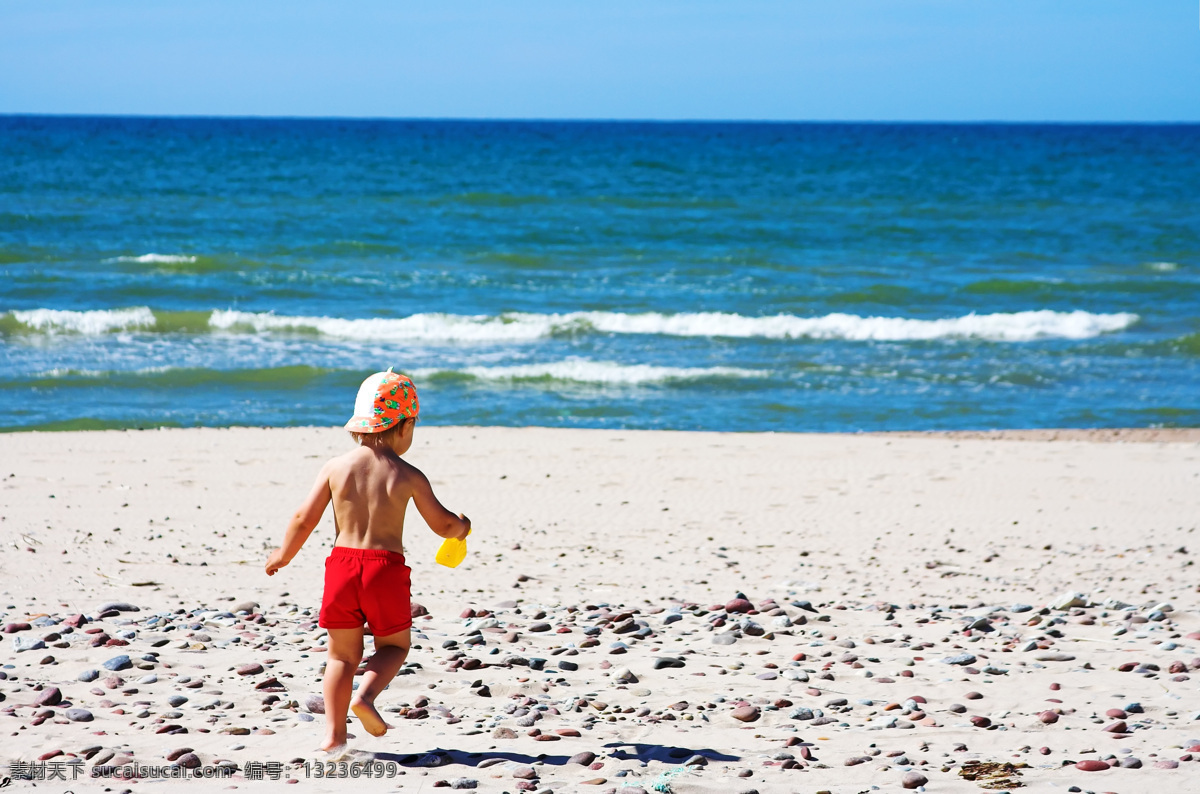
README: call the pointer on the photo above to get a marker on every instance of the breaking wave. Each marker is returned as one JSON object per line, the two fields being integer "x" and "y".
{"x": 522, "y": 327}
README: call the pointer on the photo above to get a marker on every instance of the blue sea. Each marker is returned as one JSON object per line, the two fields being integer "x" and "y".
{"x": 744, "y": 277}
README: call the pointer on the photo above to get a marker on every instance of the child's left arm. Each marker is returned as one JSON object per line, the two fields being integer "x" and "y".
{"x": 303, "y": 522}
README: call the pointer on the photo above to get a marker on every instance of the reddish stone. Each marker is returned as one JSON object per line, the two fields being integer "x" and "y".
{"x": 1092, "y": 765}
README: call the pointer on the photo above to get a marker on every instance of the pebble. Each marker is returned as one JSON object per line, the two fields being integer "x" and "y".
{"x": 21, "y": 644}
{"x": 253, "y": 668}
{"x": 50, "y": 696}
{"x": 1092, "y": 765}
{"x": 584, "y": 759}
{"x": 724, "y": 638}
{"x": 118, "y": 606}
{"x": 1054, "y": 657}
{"x": 464, "y": 783}
{"x": 79, "y": 715}
{"x": 315, "y": 704}
{"x": 176, "y": 700}
{"x": 738, "y": 605}
{"x": 188, "y": 760}
{"x": 121, "y": 662}
{"x": 913, "y": 780}
{"x": 88, "y": 675}
{"x": 746, "y": 713}
{"x": 960, "y": 659}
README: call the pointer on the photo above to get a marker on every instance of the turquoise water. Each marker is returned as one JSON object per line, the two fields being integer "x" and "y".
{"x": 718, "y": 276}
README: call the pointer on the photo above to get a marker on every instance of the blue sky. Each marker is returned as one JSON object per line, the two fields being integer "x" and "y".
{"x": 1018, "y": 60}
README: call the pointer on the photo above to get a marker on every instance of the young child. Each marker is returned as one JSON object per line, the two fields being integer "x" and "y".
{"x": 366, "y": 580}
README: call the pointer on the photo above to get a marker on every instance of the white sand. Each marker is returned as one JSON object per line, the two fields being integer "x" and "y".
{"x": 950, "y": 529}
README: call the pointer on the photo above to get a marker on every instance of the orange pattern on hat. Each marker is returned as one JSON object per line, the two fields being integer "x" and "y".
{"x": 384, "y": 399}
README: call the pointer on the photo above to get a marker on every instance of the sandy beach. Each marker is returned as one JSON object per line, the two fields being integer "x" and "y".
{"x": 699, "y": 611}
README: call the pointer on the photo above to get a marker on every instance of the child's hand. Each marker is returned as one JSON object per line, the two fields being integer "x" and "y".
{"x": 466, "y": 526}
{"x": 275, "y": 562}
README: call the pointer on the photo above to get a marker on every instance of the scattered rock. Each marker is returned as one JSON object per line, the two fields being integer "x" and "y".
{"x": 22, "y": 644}
{"x": 118, "y": 606}
{"x": 79, "y": 715}
{"x": 121, "y": 662}
{"x": 738, "y": 605}
{"x": 746, "y": 713}
{"x": 913, "y": 780}
{"x": 1092, "y": 765}
{"x": 50, "y": 696}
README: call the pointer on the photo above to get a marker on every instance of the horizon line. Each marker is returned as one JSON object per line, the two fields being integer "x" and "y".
{"x": 592, "y": 120}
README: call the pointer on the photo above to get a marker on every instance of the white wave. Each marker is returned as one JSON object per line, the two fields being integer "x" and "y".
{"x": 1163, "y": 267}
{"x": 416, "y": 328}
{"x": 99, "y": 321}
{"x": 155, "y": 259}
{"x": 605, "y": 372}
{"x": 517, "y": 327}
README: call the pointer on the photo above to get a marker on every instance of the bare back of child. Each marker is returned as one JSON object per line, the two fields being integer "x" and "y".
{"x": 366, "y": 579}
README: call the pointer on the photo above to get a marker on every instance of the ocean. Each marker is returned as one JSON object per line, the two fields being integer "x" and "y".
{"x": 734, "y": 277}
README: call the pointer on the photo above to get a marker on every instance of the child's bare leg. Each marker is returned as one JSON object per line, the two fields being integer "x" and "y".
{"x": 345, "y": 652}
{"x": 390, "y": 652}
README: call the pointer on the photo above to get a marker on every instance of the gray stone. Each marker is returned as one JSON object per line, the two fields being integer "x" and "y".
{"x": 79, "y": 715}
{"x": 89, "y": 675}
{"x": 960, "y": 658}
{"x": 25, "y": 643}
{"x": 724, "y": 638}
{"x": 1054, "y": 657}
{"x": 121, "y": 662}
{"x": 176, "y": 700}
{"x": 118, "y": 606}
{"x": 464, "y": 782}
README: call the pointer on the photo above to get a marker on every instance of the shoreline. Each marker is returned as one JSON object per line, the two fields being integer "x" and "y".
{"x": 1132, "y": 435}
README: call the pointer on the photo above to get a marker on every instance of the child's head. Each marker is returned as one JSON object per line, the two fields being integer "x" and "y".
{"x": 385, "y": 410}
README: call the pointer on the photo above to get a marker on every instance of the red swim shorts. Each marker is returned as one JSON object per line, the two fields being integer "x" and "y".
{"x": 369, "y": 586}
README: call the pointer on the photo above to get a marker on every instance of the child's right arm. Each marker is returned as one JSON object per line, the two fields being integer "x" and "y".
{"x": 303, "y": 522}
{"x": 444, "y": 523}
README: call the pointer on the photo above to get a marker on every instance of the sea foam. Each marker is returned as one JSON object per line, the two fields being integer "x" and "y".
{"x": 519, "y": 326}
{"x": 603, "y": 372}
{"x": 165, "y": 259}
{"x": 98, "y": 321}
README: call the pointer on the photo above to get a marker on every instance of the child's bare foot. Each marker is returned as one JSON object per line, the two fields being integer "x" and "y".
{"x": 369, "y": 717}
{"x": 334, "y": 748}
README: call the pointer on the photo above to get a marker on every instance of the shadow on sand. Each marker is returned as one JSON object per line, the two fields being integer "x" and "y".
{"x": 621, "y": 751}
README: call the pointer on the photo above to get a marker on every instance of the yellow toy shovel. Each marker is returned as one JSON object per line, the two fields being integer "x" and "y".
{"x": 452, "y": 552}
